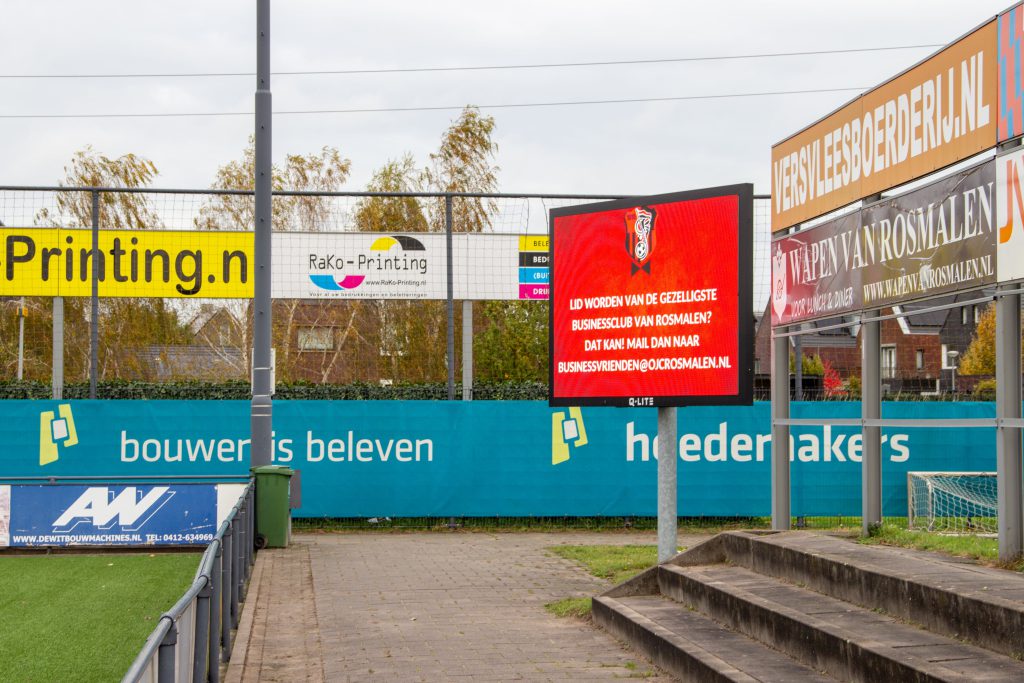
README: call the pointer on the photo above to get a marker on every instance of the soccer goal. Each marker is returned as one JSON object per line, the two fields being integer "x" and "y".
{"x": 952, "y": 502}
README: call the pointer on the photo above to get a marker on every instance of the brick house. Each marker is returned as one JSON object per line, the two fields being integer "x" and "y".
{"x": 918, "y": 352}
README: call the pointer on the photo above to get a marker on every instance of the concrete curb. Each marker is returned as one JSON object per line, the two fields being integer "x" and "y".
{"x": 243, "y": 636}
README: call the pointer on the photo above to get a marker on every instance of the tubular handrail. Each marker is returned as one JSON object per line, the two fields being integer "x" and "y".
{"x": 211, "y": 642}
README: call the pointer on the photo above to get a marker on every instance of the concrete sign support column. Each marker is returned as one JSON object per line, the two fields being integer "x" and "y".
{"x": 668, "y": 457}
{"x": 261, "y": 412}
{"x": 780, "y": 434}
{"x": 1008, "y": 438}
{"x": 871, "y": 409}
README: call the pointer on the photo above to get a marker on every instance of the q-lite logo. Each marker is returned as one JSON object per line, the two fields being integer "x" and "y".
{"x": 101, "y": 508}
{"x": 386, "y": 253}
{"x": 55, "y": 430}
{"x": 566, "y": 431}
{"x": 640, "y": 237}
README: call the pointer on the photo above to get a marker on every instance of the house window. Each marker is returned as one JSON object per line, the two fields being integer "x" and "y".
{"x": 948, "y": 357}
{"x": 977, "y": 314}
{"x": 757, "y": 366}
{"x": 919, "y": 359}
{"x": 316, "y": 339}
{"x": 888, "y": 362}
{"x": 963, "y": 315}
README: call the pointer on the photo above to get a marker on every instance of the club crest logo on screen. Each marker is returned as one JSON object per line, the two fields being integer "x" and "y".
{"x": 640, "y": 237}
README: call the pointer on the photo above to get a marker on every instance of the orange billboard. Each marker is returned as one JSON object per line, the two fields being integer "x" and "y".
{"x": 939, "y": 112}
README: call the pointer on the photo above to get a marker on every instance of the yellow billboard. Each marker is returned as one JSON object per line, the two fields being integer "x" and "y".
{"x": 129, "y": 263}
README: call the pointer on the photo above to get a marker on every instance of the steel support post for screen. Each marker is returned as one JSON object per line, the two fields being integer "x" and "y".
{"x": 261, "y": 415}
{"x": 57, "y": 376}
{"x": 467, "y": 350}
{"x": 668, "y": 456}
{"x": 780, "y": 433}
{"x": 1008, "y": 438}
{"x": 871, "y": 409}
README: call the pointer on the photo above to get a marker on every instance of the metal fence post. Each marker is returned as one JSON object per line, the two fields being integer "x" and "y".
{"x": 57, "y": 374}
{"x": 251, "y": 498}
{"x": 166, "y": 655}
{"x": 226, "y": 607}
{"x": 216, "y": 612}
{"x": 240, "y": 553}
{"x": 871, "y": 408}
{"x": 781, "y": 520}
{"x": 467, "y": 350}
{"x": 451, "y": 296}
{"x": 798, "y": 368}
{"x": 94, "y": 336}
{"x": 234, "y": 548}
{"x": 202, "y": 655}
{"x": 1008, "y": 439}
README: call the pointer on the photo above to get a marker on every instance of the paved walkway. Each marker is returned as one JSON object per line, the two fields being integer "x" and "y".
{"x": 426, "y": 607}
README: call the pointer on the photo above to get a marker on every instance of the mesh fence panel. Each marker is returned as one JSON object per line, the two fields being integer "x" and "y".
{"x": 206, "y": 338}
{"x": 343, "y": 340}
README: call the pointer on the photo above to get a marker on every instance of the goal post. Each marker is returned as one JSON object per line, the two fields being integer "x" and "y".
{"x": 953, "y": 502}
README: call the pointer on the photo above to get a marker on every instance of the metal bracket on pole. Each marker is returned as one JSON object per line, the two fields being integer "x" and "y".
{"x": 1009, "y": 499}
{"x": 780, "y": 433}
{"x": 668, "y": 457}
{"x": 871, "y": 409}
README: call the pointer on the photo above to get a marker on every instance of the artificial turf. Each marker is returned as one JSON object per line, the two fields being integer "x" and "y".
{"x": 83, "y": 617}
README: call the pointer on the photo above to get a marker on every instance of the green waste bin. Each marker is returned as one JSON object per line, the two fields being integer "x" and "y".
{"x": 273, "y": 515}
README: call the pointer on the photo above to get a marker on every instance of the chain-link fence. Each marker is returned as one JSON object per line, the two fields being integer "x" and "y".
{"x": 131, "y": 333}
{"x": 125, "y": 331}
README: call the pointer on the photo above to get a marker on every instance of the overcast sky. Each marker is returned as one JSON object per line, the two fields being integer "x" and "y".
{"x": 636, "y": 148}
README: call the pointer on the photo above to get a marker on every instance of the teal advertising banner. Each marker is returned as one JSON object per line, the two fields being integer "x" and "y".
{"x": 488, "y": 458}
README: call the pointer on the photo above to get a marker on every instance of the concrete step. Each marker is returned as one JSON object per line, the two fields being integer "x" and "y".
{"x": 694, "y": 647}
{"x": 955, "y": 598}
{"x": 827, "y": 634}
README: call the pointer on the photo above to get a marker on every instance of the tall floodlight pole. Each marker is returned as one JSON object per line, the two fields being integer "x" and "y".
{"x": 262, "y": 407}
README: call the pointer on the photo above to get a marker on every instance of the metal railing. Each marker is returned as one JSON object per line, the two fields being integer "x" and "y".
{"x": 193, "y": 637}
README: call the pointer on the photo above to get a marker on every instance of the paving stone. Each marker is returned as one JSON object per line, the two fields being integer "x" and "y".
{"x": 429, "y": 607}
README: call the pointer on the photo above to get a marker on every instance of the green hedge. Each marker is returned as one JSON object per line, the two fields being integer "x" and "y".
{"x": 508, "y": 391}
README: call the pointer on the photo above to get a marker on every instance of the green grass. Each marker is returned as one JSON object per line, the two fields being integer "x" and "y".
{"x": 570, "y": 607}
{"x": 615, "y": 563}
{"x": 83, "y": 617}
{"x": 976, "y": 547}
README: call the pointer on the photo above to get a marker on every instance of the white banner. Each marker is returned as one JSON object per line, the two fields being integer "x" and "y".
{"x": 404, "y": 266}
{"x": 1009, "y": 199}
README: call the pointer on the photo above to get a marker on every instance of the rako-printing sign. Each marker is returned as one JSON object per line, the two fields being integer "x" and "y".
{"x": 650, "y": 300}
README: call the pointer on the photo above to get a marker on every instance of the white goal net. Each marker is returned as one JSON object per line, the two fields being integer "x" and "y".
{"x": 952, "y": 502}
